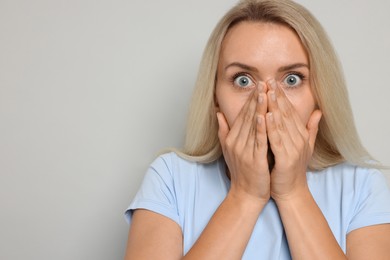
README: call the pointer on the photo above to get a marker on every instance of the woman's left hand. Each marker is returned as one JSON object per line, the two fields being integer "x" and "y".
{"x": 292, "y": 143}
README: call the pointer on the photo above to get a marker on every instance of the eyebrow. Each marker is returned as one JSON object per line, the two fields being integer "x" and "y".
{"x": 281, "y": 69}
{"x": 242, "y": 66}
{"x": 293, "y": 66}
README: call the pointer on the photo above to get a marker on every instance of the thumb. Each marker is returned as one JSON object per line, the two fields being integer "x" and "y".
{"x": 312, "y": 127}
{"x": 223, "y": 129}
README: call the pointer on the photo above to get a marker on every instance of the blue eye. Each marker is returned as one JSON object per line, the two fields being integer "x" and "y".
{"x": 243, "y": 81}
{"x": 293, "y": 80}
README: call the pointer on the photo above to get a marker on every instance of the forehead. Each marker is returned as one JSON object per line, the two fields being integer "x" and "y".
{"x": 252, "y": 42}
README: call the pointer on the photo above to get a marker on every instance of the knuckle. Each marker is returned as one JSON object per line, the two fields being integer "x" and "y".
{"x": 281, "y": 127}
{"x": 229, "y": 143}
{"x": 259, "y": 143}
{"x": 287, "y": 113}
{"x": 277, "y": 143}
{"x": 247, "y": 117}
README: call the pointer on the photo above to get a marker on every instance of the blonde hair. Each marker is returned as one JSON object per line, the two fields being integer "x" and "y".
{"x": 337, "y": 139}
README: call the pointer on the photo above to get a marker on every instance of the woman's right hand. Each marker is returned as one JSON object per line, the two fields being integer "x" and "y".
{"x": 245, "y": 148}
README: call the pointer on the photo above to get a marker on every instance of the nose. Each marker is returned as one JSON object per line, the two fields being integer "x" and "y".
{"x": 262, "y": 86}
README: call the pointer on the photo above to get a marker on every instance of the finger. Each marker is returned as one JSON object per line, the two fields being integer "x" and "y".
{"x": 235, "y": 130}
{"x": 248, "y": 128}
{"x": 288, "y": 110}
{"x": 271, "y": 101}
{"x": 261, "y": 86}
{"x": 288, "y": 114}
{"x": 261, "y": 147}
{"x": 285, "y": 139}
{"x": 261, "y": 110}
{"x": 283, "y": 128}
{"x": 262, "y": 104}
{"x": 223, "y": 129}
{"x": 272, "y": 133}
{"x": 312, "y": 127}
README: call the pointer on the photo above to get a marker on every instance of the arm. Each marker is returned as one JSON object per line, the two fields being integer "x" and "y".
{"x": 229, "y": 230}
{"x": 244, "y": 146}
{"x": 308, "y": 233}
{"x": 372, "y": 242}
{"x": 307, "y": 230}
{"x": 310, "y": 237}
{"x": 153, "y": 236}
{"x": 148, "y": 228}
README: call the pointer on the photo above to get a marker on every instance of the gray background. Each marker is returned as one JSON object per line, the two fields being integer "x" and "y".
{"x": 90, "y": 91}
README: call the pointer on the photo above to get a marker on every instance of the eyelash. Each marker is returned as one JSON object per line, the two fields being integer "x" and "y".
{"x": 238, "y": 74}
{"x": 296, "y": 73}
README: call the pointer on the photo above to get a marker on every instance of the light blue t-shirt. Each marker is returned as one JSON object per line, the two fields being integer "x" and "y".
{"x": 189, "y": 193}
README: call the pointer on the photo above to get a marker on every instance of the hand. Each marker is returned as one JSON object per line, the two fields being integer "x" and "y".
{"x": 291, "y": 143}
{"x": 244, "y": 147}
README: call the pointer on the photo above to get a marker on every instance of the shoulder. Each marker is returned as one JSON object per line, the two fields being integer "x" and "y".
{"x": 170, "y": 183}
{"x": 172, "y": 166}
{"x": 174, "y": 163}
{"x": 346, "y": 175}
{"x": 348, "y": 185}
{"x": 350, "y": 196}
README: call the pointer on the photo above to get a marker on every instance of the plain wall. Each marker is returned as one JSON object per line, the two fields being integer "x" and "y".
{"x": 90, "y": 91}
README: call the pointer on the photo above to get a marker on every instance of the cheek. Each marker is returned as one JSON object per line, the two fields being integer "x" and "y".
{"x": 231, "y": 110}
{"x": 305, "y": 114}
{"x": 304, "y": 106}
{"x": 230, "y": 104}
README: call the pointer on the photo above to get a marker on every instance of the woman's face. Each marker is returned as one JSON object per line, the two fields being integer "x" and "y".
{"x": 254, "y": 52}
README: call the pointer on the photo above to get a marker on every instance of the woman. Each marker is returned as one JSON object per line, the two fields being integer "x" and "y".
{"x": 272, "y": 167}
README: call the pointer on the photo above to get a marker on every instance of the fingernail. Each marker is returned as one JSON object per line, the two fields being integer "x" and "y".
{"x": 259, "y": 120}
{"x": 270, "y": 116}
{"x": 260, "y": 86}
{"x": 260, "y": 99}
{"x": 273, "y": 96}
{"x": 218, "y": 116}
{"x": 272, "y": 84}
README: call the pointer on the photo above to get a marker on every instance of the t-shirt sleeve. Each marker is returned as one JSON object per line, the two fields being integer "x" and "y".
{"x": 157, "y": 192}
{"x": 373, "y": 206}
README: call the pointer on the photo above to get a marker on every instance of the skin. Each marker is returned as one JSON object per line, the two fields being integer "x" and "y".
{"x": 266, "y": 110}
{"x": 248, "y": 55}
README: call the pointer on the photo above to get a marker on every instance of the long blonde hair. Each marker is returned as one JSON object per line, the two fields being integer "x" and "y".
{"x": 337, "y": 139}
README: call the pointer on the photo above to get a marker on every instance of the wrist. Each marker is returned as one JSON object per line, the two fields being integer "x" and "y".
{"x": 246, "y": 200}
{"x": 299, "y": 194}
